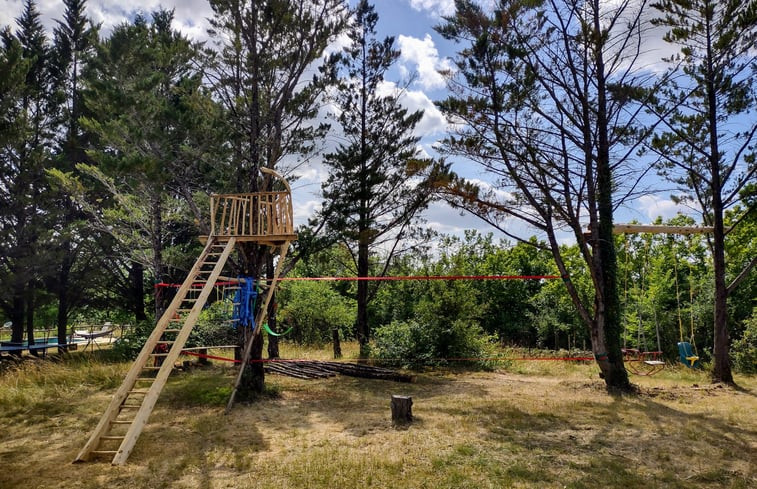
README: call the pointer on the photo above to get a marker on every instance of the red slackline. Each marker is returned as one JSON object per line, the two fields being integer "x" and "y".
{"x": 472, "y": 359}
{"x": 388, "y": 279}
{"x": 430, "y": 277}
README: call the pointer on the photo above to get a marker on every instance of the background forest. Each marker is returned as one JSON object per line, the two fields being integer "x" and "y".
{"x": 110, "y": 145}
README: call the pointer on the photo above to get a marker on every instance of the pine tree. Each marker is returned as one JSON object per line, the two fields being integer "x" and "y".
{"x": 25, "y": 153}
{"x": 74, "y": 40}
{"x": 266, "y": 51}
{"x": 154, "y": 136}
{"x": 374, "y": 192}
{"x": 541, "y": 102}
{"x": 708, "y": 139}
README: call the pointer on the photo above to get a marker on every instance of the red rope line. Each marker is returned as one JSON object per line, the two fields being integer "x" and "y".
{"x": 391, "y": 279}
{"x": 471, "y": 359}
{"x": 198, "y": 284}
{"x": 429, "y": 277}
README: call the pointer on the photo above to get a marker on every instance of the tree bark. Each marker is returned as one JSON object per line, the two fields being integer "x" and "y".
{"x": 607, "y": 349}
{"x": 62, "y": 285}
{"x": 30, "y": 319}
{"x": 157, "y": 250}
{"x": 722, "y": 368}
{"x": 362, "y": 300}
{"x": 337, "y": 344}
{"x": 137, "y": 291}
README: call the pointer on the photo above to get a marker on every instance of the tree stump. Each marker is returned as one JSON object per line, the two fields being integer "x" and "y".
{"x": 402, "y": 409}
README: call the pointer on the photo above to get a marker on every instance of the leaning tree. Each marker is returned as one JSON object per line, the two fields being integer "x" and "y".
{"x": 540, "y": 100}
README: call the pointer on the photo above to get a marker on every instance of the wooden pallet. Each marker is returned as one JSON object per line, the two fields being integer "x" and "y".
{"x": 126, "y": 415}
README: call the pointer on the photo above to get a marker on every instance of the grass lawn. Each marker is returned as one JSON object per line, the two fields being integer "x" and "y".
{"x": 531, "y": 424}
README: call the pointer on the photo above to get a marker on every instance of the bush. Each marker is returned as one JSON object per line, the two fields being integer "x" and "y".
{"x": 744, "y": 350}
{"x": 211, "y": 330}
{"x": 411, "y": 344}
{"x": 314, "y": 309}
{"x": 130, "y": 344}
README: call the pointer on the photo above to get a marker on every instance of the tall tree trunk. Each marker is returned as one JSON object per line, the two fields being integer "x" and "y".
{"x": 30, "y": 318}
{"x": 722, "y": 369}
{"x": 17, "y": 314}
{"x": 137, "y": 291}
{"x": 253, "y": 378}
{"x": 157, "y": 250}
{"x": 363, "y": 333}
{"x": 63, "y": 305}
{"x": 608, "y": 319}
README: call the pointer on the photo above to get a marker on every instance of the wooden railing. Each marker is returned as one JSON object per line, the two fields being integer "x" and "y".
{"x": 262, "y": 214}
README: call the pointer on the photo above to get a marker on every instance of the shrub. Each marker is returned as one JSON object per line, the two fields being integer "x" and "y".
{"x": 744, "y": 350}
{"x": 211, "y": 329}
{"x": 130, "y": 344}
{"x": 315, "y": 309}
{"x": 411, "y": 344}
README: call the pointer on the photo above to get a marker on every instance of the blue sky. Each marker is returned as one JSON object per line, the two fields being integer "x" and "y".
{"x": 412, "y": 23}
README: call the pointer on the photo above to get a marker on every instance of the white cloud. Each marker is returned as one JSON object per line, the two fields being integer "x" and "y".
{"x": 422, "y": 53}
{"x": 433, "y": 121}
{"x": 304, "y": 210}
{"x": 437, "y": 8}
{"x": 654, "y": 207}
{"x": 190, "y": 16}
{"x": 444, "y": 219}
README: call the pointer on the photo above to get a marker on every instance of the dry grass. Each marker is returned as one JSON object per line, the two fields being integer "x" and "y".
{"x": 535, "y": 425}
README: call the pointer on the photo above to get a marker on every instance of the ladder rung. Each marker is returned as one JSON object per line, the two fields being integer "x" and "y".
{"x": 150, "y": 368}
{"x": 104, "y": 452}
{"x": 139, "y": 391}
{"x": 172, "y": 330}
{"x": 121, "y": 421}
{"x": 131, "y": 406}
{"x": 158, "y": 354}
{"x": 145, "y": 379}
{"x": 112, "y": 437}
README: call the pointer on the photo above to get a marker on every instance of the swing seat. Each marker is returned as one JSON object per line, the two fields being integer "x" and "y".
{"x": 686, "y": 355}
{"x": 642, "y": 362}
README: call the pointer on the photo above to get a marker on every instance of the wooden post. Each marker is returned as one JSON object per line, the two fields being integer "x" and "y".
{"x": 337, "y": 345}
{"x": 402, "y": 409}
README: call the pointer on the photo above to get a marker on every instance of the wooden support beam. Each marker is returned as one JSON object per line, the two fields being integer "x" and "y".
{"x": 641, "y": 228}
{"x": 656, "y": 229}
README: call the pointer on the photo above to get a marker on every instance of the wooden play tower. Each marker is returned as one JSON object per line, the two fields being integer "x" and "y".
{"x": 265, "y": 218}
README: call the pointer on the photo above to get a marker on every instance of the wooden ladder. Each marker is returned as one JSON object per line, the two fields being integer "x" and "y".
{"x": 126, "y": 415}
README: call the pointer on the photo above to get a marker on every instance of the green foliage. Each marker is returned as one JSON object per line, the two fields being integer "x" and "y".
{"x": 445, "y": 323}
{"x": 314, "y": 309}
{"x": 415, "y": 344}
{"x": 130, "y": 344}
{"x": 213, "y": 327}
{"x": 744, "y": 350}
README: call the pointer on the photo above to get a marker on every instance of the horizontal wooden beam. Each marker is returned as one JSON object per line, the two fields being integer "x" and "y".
{"x": 641, "y": 228}
{"x": 656, "y": 229}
